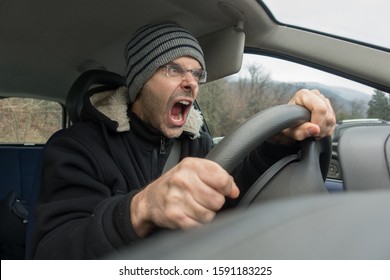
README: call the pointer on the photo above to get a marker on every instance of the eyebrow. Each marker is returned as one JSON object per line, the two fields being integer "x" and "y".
{"x": 177, "y": 64}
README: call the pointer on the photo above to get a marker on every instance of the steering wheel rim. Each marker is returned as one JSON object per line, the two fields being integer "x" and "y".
{"x": 312, "y": 163}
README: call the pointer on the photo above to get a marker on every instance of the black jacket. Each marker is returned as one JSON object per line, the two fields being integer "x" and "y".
{"x": 92, "y": 170}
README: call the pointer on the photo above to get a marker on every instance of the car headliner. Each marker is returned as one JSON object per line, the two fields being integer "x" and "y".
{"x": 47, "y": 44}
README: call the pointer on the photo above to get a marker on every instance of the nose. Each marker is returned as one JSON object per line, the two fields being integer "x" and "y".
{"x": 189, "y": 83}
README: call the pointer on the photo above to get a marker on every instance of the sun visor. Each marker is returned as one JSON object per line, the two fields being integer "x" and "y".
{"x": 223, "y": 51}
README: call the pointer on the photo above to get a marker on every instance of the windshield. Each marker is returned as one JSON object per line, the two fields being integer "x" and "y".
{"x": 364, "y": 21}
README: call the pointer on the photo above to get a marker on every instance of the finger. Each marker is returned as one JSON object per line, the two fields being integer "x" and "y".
{"x": 178, "y": 219}
{"x": 185, "y": 179}
{"x": 206, "y": 196}
{"x": 218, "y": 178}
{"x": 303, "y": 131}
{"x": 180, "y": 211}
{"x": 209, "y": 198}
{"x": 235, "y": 192}
{"x": 210, "y": 173}
{"x": 187, "y": 213}
{"x": 322, "y": 114}
{"x": 198, "y": 212}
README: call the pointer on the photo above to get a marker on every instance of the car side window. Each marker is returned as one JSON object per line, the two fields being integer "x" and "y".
{"x": 28, "y": 120}
{"x": 264, "y": 82}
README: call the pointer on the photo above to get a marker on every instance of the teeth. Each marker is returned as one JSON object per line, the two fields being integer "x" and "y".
{"x": 186, "y": 103}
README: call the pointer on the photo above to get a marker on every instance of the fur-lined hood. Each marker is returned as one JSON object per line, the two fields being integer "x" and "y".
{"x": 114, "y": 104}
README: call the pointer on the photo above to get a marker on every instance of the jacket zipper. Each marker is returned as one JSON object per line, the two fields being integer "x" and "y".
{"x": 157, "y": 155}
{"x": 162, "y": 146}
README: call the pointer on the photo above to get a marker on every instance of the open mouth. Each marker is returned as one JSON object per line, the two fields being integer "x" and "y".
{"x": 179, "y": 112}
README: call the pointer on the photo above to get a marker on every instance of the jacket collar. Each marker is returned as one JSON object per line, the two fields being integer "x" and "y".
{"x": 114, "y": 105}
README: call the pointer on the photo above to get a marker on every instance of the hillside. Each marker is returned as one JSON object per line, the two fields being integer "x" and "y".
{"x": 340, "y": 96}
{"x": 340, "y": 92}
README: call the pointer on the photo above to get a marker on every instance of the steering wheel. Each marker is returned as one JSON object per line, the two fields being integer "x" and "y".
{"x": 299, "y": 174}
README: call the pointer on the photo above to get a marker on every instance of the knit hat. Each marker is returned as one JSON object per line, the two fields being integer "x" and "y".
{"x": 153, "y": 46}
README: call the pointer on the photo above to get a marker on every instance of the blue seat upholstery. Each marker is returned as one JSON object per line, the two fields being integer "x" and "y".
{"x": 18, "y": 168}
{"x": 33, "y": 198}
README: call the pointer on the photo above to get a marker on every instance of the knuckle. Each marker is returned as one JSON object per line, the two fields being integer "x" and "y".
{"x": 317, "y": 92}
{"x": 177, "y": 179}
{"x": 173, "y": 216}
{"x": 217, "y": 201}
{"x": 303, "y": 91}
{"x": 213, "y": 167}
{"x": 209, "y": 216}
{"x": 332, "y": 120}
{"x": 219, "y": 177}
{"x": 322, "y": 110}
{"x": 186, "y": 163}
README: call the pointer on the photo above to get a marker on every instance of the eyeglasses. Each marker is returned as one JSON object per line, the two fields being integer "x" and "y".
{"x": 176, "y": 71}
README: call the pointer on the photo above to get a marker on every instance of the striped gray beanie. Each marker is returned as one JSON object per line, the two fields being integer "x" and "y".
{"x": 153, "y": 46}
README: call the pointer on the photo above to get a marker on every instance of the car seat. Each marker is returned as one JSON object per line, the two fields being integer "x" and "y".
{"x": 85, "y": 85}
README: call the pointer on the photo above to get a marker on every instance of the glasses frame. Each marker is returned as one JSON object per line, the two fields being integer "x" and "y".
{"x": 173, "y": 70}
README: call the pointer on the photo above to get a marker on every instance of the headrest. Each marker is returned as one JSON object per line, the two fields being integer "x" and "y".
{"x": 89, "y": 82}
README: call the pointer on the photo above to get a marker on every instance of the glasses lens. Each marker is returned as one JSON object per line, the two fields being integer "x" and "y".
{"x": 200, "y": 75}
{"x": 175, "y": 70}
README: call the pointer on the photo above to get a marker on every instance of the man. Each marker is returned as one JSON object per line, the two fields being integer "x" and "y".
{"x": 105, "y": 189}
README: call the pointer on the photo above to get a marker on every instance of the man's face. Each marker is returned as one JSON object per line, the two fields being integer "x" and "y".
{"x": 164, "y": 102}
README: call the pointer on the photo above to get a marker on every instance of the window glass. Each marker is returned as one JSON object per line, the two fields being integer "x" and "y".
{"x": 28, "y": 121}
{"x": 264, "y": 82}
{"x": 364, "y": 21}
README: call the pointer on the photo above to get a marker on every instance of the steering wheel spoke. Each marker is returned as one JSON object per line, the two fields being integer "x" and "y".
{"x": 291, "y": 176}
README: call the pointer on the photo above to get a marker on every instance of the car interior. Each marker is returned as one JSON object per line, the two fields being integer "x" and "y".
{"x": 64, "y": 51}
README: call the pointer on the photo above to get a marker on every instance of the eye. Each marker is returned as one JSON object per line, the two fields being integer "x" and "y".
{"x": 200, "y": 75}
{"x": 197, "y": 74}
{"x": 175, "y": 69}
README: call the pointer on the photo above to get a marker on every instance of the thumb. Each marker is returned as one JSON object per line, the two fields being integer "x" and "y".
{"x": 235, "y": 192}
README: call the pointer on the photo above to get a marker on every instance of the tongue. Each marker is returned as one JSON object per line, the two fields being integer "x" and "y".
{"x": 176, "y": 111}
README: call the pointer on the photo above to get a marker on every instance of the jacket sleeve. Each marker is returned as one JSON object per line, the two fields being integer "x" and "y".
{"x": 77, "y": 215}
